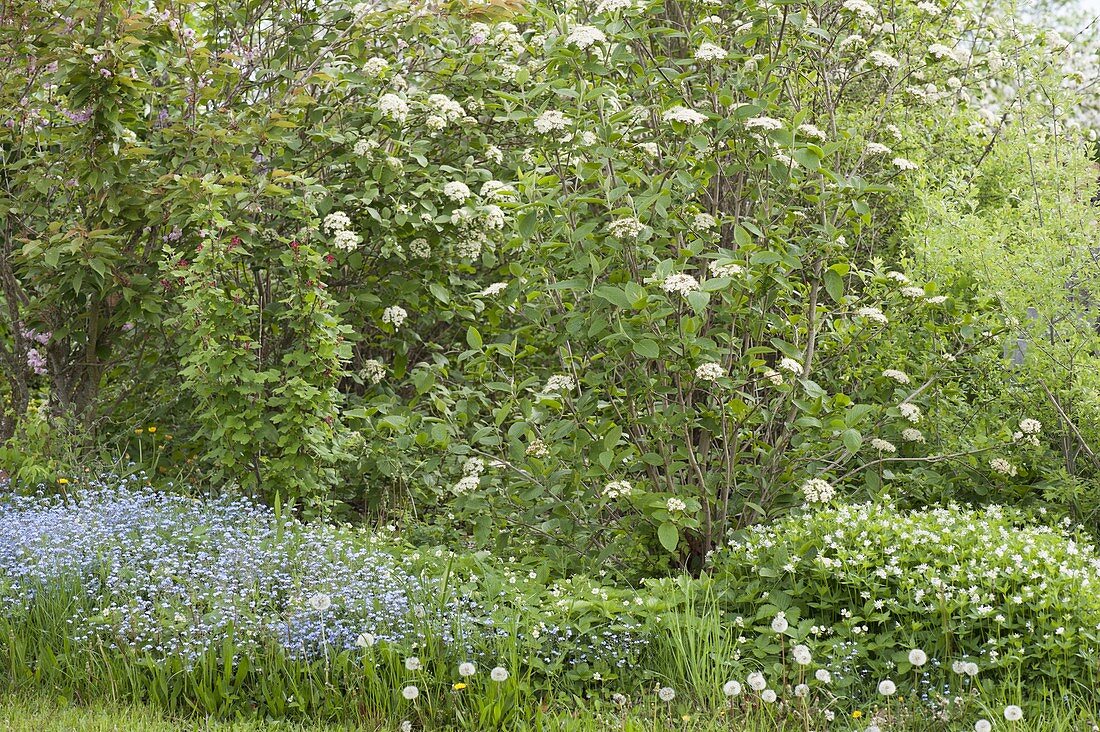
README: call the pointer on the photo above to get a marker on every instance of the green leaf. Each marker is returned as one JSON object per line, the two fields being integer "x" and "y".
{"x": 669, "y": 536}
{"x": 852, "y": 439}
{"x": 647, "y": 348}
{"x": 440, "y": 292}
{"x": 473, "y": 338}
{"x": 834, "y": 285}
{"x": 614, "y": 295}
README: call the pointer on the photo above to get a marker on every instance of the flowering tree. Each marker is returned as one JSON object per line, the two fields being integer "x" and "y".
{"x": 610, "y": 277}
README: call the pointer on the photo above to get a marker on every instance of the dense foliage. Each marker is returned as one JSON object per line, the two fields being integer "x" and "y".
{"x": 759, "y": 337}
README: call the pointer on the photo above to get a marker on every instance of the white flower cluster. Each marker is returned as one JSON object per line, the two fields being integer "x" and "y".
{"x": 614, "y": 6}
{"x": 910, "y": 434}
{"x": 709, "y": 371}
{"x": 910, "y": 412}
{"x": 395, "y": 315}
{"x": 376, "y": 67}
{"x": 1004, "y": 467}
{"x": 551, "y": 120}
{"x": 877, "y": 148}
{"x": 444, "y": 111}
{"x": 457, "y": 191}
{"x": 494, "y": 289}
{"x": 364, "y": 146}
{"x": 862, "y": 8}
{"x": 373, "y": 371}
{"x": 680, "y": 283}
{"x": 872, "y": 314}
{"x": 789, "y": 364}
{"x": 818, "y": 490}
{"x": 559, "y": 383}
{"x": 470, "y": 481}
{"x": 710, "y": 52}
{"x": 899, "y": 376}
{"x": 725, "y": 269}
{"x": 763, "y": 123}
{"x": 583, "y": 36}
{"x": 774, "y": 377}
{"x": 883, "y": 446}
{"x": 626, "y": 228}
{"x": 676, "y": 505}
{"x": 617, "y": 489}
{"x": 393, "y": 107}
{"x": 883, "y": 60}
{"x": 812, "y": 132}
{"x": 704, "y": 222}
{"x": 338, "y": 225}
{"x": 904, "y": 164}
{"x": 683, "y": 115}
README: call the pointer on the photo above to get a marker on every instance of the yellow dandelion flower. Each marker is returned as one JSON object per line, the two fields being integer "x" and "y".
{"x": 857, "y": 714}
{"x": 459, "y": 686}
{"x": 152, "y": 428}
{"x": 63, "y": 481}
{"x": 138, "y": 431}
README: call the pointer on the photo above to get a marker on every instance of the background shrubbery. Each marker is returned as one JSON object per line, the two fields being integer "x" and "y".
{"x": 597, "y": 288}
{"x": 655, "y": 271}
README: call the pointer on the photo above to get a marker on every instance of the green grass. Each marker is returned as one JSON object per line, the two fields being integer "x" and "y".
{"x": 22, "y": 713}
{"x": 37, "y": 714}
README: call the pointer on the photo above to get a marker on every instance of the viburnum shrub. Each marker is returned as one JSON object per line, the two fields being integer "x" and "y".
{"x": 626, "y": 255}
